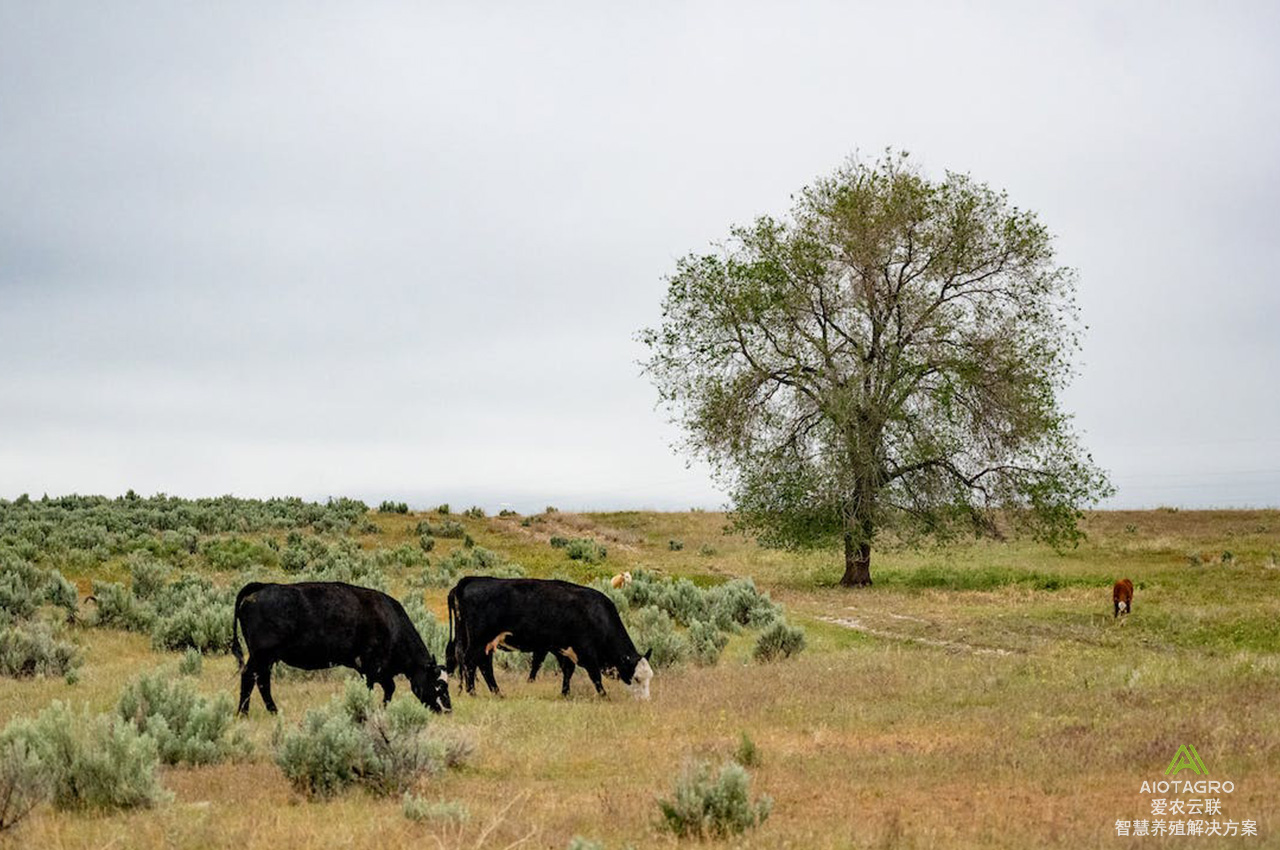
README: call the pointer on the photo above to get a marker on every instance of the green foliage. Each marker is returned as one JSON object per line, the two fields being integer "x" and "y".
{"x": 443, "y": 509}
{"x": 675, "y": 545}
{"x": 889, "y": 356}
{"x": 31, "y": 649}
{"x": 739, "y": 603}
{"x": 393, "y": 508}
{"x": 193, "y": 614}
{"x": 474, "y": 512}
{"x": 192, "y": 663}
{"x": 92, "y": 761}
{"x": 186, "y": 727}
{"x": 417, "y": 809}
{"x": 426, "y": 542}
{"x": 580, "y": 843}
{"x": 683, "y": 600}
{"x": 24, "y": 588}
{"x": 703, "y": 807}
{"x": 779, "y": 640}
{"x": 149, "y": 575}
{"x": 435, "y": 634}
{"x": 706, "y": 642}
{"x": 586, "y": 550}
{"x": 24, "y": 782}
{"x": 652, "y": 630}
{"x": 352, "y": 742}
{"x": 448, "y": 529}
{"x": 118, "y": 608}
{"x": 558, "y": 542}
{"x": 235, "y": 554}
{"x": 747, "y": 754}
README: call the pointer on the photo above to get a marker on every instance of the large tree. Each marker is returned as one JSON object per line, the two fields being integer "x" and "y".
{"x": 883, "y": 363}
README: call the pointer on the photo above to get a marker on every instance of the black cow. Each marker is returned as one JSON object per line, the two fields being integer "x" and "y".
{"x": 576, "y": 624}
{"x": 319, "y": 624}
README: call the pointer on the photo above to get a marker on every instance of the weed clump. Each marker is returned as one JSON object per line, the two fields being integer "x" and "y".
{"x": 586, "y": 550}
{"x": 720, "y": 807}
{"x": 417, "y": 809}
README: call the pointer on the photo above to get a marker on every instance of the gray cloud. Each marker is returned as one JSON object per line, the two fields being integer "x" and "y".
{"x": 387, "y": 249}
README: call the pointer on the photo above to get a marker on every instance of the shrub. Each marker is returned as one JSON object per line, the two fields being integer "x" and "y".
{"x": 24, "y": 782}
{"x": 149, "y": 575}
{"x": 352, "y": 741}
{"x": 684, "y": 601}
{"x": 93, "y": 761}
{"x": 393, "y": 508}
{"x": 585, "y": 550}
{"x": 186, "y": 727}
{"x": 468, "y": 542}
{"x": 448, "y": 529}
{"x": 435, "y": 634}
{"x": 506, "y": 512}
{"x": 526, "y": 522}
{"x": 417, "y": 809}
{"x": 235, "y": 554}
{"x": 706, "y": 642}
{"x": 675, "y": 545}
{"x": 474, "y": 512}
{"x": 703, "y": 807}
{"x": 117, "y": 608}
{"x": 195, "y": 615}
{"x": 652, "y": 630}
{"x": 192, "y": 663}
{"x": 369, "y": 527}
{"x": 706, "y": 550}
{"x": 738, "y": 603}
{"x": 443, "y": 510}
{"x": 580, "y": 843}
{"x": 30, "y": 649}
{"x": 778, "y": 641}
{"x": 559, "y": 542}
{"x": 426, "y": 542}
{"x": 24, "y": 587}
{"x": 747, "y": 754}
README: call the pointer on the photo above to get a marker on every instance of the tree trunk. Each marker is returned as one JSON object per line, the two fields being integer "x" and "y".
{"x": 857, "y": 562}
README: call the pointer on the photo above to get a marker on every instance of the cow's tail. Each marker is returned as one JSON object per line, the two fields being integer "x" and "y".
{"x": 450, "y": 649}
{"x": 235, "y": 621}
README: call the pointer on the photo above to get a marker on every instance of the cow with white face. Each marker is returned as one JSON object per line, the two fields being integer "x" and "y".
{"x": 579, "y": 625}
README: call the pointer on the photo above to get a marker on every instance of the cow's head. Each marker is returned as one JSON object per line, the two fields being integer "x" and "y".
{"x": 636, "y": 672}
{"x": 431, "y": 686}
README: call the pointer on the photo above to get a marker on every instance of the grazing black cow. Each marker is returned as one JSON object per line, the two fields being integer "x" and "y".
{"x": 319, "y": 624}
{"x": 576, "y": 624}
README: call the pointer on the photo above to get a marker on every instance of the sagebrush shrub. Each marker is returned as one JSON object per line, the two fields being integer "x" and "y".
{"x": 474, "y": 512}
{"x": 193, "y": 614}
{"x": 706, "y": 642}
{"x": 192, "y": 663}
{"x": 426, "y": 542}
{"x": 24, "y": 782}
{"x": 778, "y": 640}
{"x": 93, "y": 761}
{"x": 747, "y": 754}
{"x": 417, "y": 809}
{"x": 235, "y": 554}
{"x": 186, "y": 727}
{"x": 31, "y": 649}
{"x": 586, "y": 550}
{"x": 580, "y": 843}
{"x": 353, "y": 741}
{"x": 558, "y": 542}
{"x": 435, "y": 634}
{"x": 388, "y": 507}
{"x": 684, "y": 601}
{"x": 738, "y": 603}
{"x": 117, "y": 608}
{"x": 675, "y": 545}
{"x": 148, "y": 575}
{"x": 652, "y": 630}
{"x": 703, "y": 807}
{"x": 448, "y": 529}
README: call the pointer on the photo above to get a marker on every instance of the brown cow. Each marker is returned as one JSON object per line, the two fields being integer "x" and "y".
{"x": 1122, "y": 596}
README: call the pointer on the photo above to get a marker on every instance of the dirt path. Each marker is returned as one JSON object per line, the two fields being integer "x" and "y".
{"x": 850, "y": 622}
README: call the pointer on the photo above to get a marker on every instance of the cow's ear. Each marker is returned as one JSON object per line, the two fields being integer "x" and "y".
{"x": 647, "y": 653}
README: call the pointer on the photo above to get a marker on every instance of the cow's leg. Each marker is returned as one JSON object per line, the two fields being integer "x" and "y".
{"x": 536, "y": 663}
{"x": 388, "y": 688}
{"x": 486, "y": 669}
{"x": 593, "y": 670}
{"x": 246, "y": 688}
{"x": 264, "y": 686}
{"x": 566, "y": 670}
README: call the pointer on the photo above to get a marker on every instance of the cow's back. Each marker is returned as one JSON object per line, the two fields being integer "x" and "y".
{"x": 316, "y": 624}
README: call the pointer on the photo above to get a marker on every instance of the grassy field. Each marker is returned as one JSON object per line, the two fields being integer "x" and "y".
{"x": 980, "y": 695}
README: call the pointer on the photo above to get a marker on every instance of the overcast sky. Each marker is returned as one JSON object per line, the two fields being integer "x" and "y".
{"x": 402, "y": 250}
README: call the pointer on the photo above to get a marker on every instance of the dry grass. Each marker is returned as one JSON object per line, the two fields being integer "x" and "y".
{"x": 883, "y": 739}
